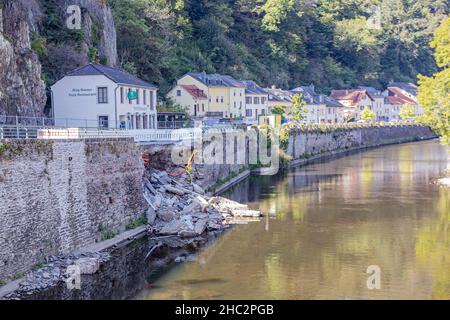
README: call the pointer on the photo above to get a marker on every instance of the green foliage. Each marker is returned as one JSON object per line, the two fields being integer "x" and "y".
{"x": 2, "y": 283}
{"x": 278, "y": 42}
{"x": 38, "y": 266}
{"x": 39, "y": 46}
{"x": 367, "y": 114}
{"x": 407, "y": 111}
{"x": 434, "y": 92}
{"x": 142, "y": 220}
{"x": 297, "y": 110}
{"x": 279, "y": 110}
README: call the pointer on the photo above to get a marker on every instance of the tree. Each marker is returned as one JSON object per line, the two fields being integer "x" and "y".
{"x": 297, "y": 111}
{"x": 407, "y": 111}
{"x": 434, "y": 92}
{"x": 279, "y": 110}
{"x": 367, "y": 114}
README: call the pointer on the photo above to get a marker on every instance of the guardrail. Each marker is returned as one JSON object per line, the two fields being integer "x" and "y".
{"x": 139, "y": 136}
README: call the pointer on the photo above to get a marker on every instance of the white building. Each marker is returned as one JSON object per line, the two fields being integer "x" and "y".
{"x": 256, "y": 101}
{"x": 190, "y": 97}
{"x": 320, "y": 108}
{"x": 104, "y": 97}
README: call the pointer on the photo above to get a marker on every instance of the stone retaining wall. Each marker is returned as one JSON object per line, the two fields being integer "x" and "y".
{"x": 59, "y": 196}
{"x": 303, "y": 145}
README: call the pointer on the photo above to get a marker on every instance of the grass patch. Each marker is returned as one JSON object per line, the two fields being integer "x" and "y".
{"x": 142, "y": 220}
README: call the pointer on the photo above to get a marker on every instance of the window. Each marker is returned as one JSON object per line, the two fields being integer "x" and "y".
{"x": 248, "y": 112}
{"x": 137, "y": 96}
{"x": 217, "y": 99}
{"x": 122, "y": 100}
{"x": 221, "y": 99}
{"x": 145, "y": 97}
{"x": 103, "y": 122}
{"x": 263, "y": 112}
{"x": 256, "y": 100}
{"x": 178, "y": 93}
{"x": 263, "y": 100}
{"x": 102, "y": 95}
{"x": 248, "y": 100}
{"x": 235, "y": 104}
{"x": 203, "y": 107}
{"x": 129, "y": 100}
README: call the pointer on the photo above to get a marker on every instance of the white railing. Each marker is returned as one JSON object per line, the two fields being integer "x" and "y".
{"x": 139, "y": 136}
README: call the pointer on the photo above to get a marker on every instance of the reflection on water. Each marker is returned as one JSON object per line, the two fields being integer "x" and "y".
{"x": 328, "y": 223}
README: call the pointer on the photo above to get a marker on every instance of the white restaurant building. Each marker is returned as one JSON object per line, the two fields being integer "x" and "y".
{"x": 103, "y": 97}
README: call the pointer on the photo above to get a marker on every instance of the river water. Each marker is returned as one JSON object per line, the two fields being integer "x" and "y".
{"x": 328, "y": 222}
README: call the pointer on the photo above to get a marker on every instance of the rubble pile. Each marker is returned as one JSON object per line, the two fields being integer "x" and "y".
{"x": 179, "y": 207}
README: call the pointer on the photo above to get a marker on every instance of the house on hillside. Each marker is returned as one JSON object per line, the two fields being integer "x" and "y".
{"x": 256, "y": 101}
{"x": 354, "y": 101}
{"x": 190, "y": 97}
{"x": 319, "y": 107}
{"x": 406, "y": 92}
{"x": 378, "y": 104}
{"x": 279, "y": 97}
{"x": 104, "y": 97}
{"x": 225, "y": 95}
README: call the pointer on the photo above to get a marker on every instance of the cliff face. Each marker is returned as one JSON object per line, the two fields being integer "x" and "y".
{"x": 98, "y": 27}
{"x": 22, "y": 90}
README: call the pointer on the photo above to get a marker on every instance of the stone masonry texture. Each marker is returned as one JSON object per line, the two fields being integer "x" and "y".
{"x": 59, "y": 196}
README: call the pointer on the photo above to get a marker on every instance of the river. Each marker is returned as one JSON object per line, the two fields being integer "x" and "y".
{"x": 327, "y": 223}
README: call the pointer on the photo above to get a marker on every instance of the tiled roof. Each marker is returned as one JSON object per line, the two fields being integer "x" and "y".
{"x": 398, "y": 93}
{"x": 408, "y": 87}
{"x": 194, "y": 91}
{"x": 395, "y": 100}
{"x": 374, "y": 92}
{"x": 252, "y": 88}
{"x": 354, "y": 96}
{"x": 116, "y": 75}
{"x": 313, "y": 98}
{"x": 216, "y": 80}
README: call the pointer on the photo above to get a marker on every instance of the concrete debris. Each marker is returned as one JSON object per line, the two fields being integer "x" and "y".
{"x": 182, "y": 208}
{"x": 88, "y": 265}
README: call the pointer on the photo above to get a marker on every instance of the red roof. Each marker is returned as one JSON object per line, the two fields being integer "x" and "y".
{"x": 194, "y": 91}
{"x": 398, "y": 93}
{"x": 354, "y": 96}
{"x": 395, "y": 100}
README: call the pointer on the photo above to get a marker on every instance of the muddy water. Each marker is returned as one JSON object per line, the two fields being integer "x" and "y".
{"x": 328, "y": 223}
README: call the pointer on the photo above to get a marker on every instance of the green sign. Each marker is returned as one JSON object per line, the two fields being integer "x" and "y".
{"x": 132, "y": 95}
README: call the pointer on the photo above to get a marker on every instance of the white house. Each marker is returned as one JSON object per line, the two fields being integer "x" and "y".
{"x": 256, "y": 101}
{"x": 406, "y": 92}
{"x": 354, "y": 101}
{"x": 104, "y": 97}
{"x": 320, "y": 108}
{"x": 190, "y": 97}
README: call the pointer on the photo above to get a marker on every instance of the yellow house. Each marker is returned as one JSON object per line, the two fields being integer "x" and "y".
{"x": 225, "y": 95}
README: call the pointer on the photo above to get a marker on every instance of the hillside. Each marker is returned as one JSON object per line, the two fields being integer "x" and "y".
{"x": 283, "y": 42}
{"x": 329, "y": 43}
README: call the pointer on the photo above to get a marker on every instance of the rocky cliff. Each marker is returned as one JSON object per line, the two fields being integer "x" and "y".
{"x": 22, "y": 91}
{"x": 36, "y": 49}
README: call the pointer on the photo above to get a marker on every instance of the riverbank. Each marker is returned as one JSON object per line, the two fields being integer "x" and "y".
{"x": 183, "y": 212}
